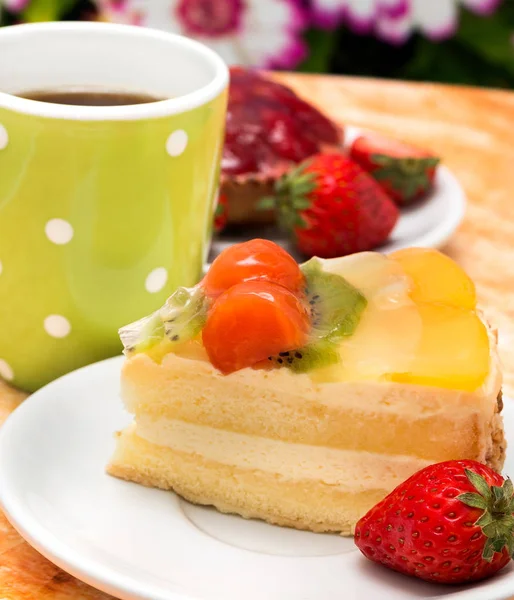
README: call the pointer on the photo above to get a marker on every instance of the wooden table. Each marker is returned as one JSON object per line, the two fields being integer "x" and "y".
{"x": 472, "y": 130}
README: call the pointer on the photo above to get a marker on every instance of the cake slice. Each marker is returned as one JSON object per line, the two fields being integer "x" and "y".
{"x": 304, "y": 396}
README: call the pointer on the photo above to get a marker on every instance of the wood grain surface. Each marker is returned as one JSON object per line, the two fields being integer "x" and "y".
{"x": 472, "y": 130}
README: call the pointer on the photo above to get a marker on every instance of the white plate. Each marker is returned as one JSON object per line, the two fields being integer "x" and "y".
{"x": 135, "y": 542}
{"x": 429, "y": 223}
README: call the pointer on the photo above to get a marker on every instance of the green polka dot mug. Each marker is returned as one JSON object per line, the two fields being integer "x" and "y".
{"x": 104, "y": 211}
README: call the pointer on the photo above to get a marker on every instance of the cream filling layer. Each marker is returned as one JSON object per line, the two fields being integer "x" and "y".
{"x": 349, "y": 470}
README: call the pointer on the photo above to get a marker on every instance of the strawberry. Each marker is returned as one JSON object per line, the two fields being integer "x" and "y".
{"x": 220, "y": 215}
{"x": 405, "y": 172}
{"x": 451, "y": 522}
{"x": 332, "y": 207}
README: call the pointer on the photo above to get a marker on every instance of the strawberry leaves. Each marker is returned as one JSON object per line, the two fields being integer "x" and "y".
{"x": 474, "y": 500}
{"x": 407, "y": 176}
{"x": 497, "y": 520}
{"x": 291, "y": 197}
{"x": 405, "y": 172}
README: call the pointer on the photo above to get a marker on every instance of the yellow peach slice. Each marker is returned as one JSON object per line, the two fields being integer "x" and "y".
{"x": 436, "y": 278}
{"x": 453, "y": 351}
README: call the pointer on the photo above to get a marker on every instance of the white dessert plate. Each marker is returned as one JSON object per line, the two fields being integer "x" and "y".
{"x": 141, "y": 543}
{"x": 428, "y": 223}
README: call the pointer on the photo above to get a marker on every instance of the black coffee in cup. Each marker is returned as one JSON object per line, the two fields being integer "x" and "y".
{"x": 87, "y": 98}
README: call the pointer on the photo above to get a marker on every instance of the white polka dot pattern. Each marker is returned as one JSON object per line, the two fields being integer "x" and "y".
{"x": 156, "y": 280}
{"x": 4, "y": 137}
{"x": 6, "y": 371}
{"x": 176, "y": 142}
{"x": 59, "y": 231}
{"x": 57, "y": 326}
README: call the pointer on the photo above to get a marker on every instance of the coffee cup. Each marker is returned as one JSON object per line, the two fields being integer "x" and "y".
{"x": 104, "y": 210}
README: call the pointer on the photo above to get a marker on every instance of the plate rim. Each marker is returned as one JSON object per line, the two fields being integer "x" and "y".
{"x": 92, "y": 572}
{"x": 109, "y": 579}
{"x": 440, "y": 235}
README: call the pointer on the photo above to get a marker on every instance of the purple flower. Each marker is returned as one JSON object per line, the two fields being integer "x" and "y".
{"x": 395, "y": 20}
{"x": 264, "y": 33}
{"x": 15, "y": 5}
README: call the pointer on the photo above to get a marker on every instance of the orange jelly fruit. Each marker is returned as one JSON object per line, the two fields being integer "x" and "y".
{"x": 436, "y": 278}
{"x": 251, "y": 321}
{"x": 254, "y": 260}
{"x": 453, "y": 351}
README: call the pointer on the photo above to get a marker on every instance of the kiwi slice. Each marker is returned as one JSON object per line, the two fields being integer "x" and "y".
{"x": 142, "y": 335}
{"x": 336, "y": 309}
{"x": 179, "y": 320}
{"x": 184, "y": 314}
{"x": 313, "y": 356}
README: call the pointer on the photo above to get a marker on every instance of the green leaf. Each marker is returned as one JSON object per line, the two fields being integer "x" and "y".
{"x": 492, "y": 530}
{"x": 302, "y": 188}
{"x": 321, "y": 45}
{"x": 497, "y": 493}
{"x": 301, "y": 203}
{"x": 484, "y": 520}
{"x": 299, "y": 171}
{"x": 47, "y": 10}
{"x": 453, "y": 61}
{"x": 473, "y": 499}
{"x": 499, "y": 543}
{"x": 266, "y": 203}
{"x": 510, "y": 507}
{"x": 508, "y": 488}
{"x": 299, "y": 222}
{"x": 479, "y": 483}
{"x": 488, "y": 551}
{"x": 489, "y": 37}
{"x": 510, "y": 545}
{"x": 507, "y": 523}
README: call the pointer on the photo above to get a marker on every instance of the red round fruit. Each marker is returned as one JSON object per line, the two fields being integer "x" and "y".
{"x": 450, "y": 522}
{"x": 257, "y": 259}
{"x": 251, "y": 321}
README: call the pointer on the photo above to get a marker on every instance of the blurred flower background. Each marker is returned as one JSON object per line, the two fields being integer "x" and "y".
{"x": 455, "y": 41}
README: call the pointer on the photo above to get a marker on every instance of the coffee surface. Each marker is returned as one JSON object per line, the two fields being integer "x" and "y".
{"x": 85, "y": 98}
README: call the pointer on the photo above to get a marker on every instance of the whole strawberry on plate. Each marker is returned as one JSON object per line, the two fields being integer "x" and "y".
{"x": 404, "y": 171}
{"x": 332, "y": 207}
{"x": 451, "y": 522}
{"x": 269, "y": 130}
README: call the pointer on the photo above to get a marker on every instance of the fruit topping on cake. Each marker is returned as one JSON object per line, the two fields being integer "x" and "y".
{"x": 451, "y": 523}
{"x": 405, "y": 172}
{"x": 269, "y": 129}
{"x": 251, "y": 321}
{"x": 409, "y": 317}
{"x": 436, "y": 278}
{"x": 332, "y": 207}
{"x": 248, "y": 261}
